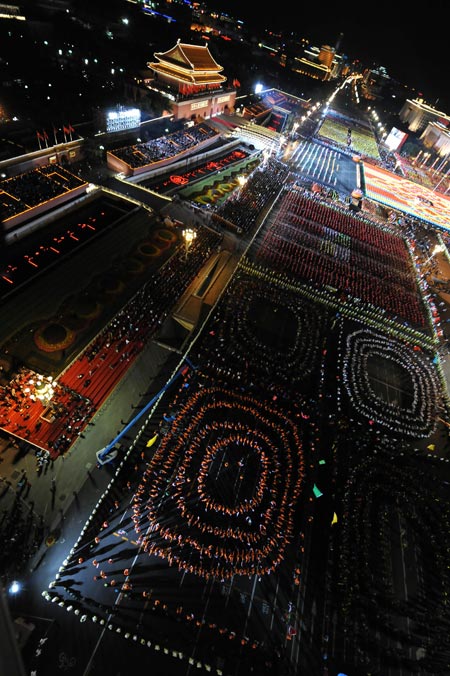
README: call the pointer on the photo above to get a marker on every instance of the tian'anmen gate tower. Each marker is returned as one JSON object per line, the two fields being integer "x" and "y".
{"x": 190, "y": 77}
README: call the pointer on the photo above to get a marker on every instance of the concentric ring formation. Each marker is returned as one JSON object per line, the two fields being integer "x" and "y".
{"x": 291, "y": 359}
{"x": 385, "y": 501}
{"x": 415, "y": 420}
{"x": 219, "y": 496}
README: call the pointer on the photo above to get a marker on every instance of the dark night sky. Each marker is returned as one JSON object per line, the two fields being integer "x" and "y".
{"x": 412, "y": 46}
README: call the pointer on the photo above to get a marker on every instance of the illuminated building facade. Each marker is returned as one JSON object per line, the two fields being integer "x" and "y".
{"x": 417, "y": 114}
{"x": 437, "y": 137}
{"x": 190, "y": 77}
{"x": 317, "y": 71}
{"x": 326, "y": 55}
{"x": 319, "y": 63}
{"x": 11, "y": 12}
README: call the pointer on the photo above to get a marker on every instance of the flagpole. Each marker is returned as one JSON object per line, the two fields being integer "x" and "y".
{"x": 39, "y": 140}
{"x": 54, "y": 135}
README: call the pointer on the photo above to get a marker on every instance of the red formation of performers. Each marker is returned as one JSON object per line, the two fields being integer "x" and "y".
{"x": 230, "y": 472}
{"x": 326, "y": 245}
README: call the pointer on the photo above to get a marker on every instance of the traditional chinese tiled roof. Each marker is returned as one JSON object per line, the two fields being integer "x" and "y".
{"x": 190, "y": 57}
{"x": 191, "y": 64}
{"x": 189, "y": 78}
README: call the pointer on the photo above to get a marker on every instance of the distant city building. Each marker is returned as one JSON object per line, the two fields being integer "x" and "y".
{"x": 215, "y": 22}
{"x": 326, "y": 56}
{"x": 319, "y": 63}
{"x": 437, "y": 137}
{"x": 417, "y": 114}
{"x": 11, "y": 12}
{"x": 375, "y": 82}
{"x": 189, "y": 76}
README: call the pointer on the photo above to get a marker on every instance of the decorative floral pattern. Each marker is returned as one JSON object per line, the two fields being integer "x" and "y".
{"x": 149, "y": 250}
{"x": 51, "y": 337}
{"x": 165, "y": 236}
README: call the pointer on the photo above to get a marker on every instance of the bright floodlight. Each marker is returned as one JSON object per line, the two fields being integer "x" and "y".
{"x": 14, "y": 587}
{"x": 189, "y": 236}
{"x": 438, "y": 248}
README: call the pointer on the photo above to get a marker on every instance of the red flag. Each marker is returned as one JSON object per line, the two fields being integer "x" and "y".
{"x": 71, "y": 129}
{"x": 40, "y": 137}
{"x": 66, "y": 130}
{"x": 45, "y": 135}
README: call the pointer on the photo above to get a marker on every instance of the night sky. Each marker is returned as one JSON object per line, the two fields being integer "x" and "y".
{"x": 411, "y": 45}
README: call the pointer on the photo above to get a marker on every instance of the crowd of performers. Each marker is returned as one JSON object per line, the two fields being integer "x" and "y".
{"x": 22, "y": 531}
{"x": 393, "y": 504}
{"x": 222, "y": 494}
{"x": 243, "y": 208}
{"x": 227, "y": 489}
{"x": 84, "y": 385}
{"x": 21, "y": 411}
{"x": 413, "y": 410}
{"x": 325, "y": 244}
{"x": 230, "y": 471}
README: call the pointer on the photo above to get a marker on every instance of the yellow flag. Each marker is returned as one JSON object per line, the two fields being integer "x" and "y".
{"x": 431, "y": 447}
{"x": 151, "y": 441}
{"x": 334, "y": 518}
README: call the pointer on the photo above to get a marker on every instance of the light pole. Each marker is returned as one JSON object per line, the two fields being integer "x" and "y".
{"x": 242, "y": 180}
{"x": 189, "y": 235}
{"x": 425, "y": 159}
{"x": 10, "y": 658}
{"x": 437, "y": 249}
{"x": 439, "y": 183}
